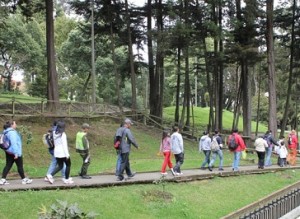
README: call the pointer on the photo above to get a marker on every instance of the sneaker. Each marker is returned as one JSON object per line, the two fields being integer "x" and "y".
{"x": 132, "y": 175}
{"x": 26, "y": 181}
{"x": 172, "y": 171}
{"x": 68, "y": 181}
{"x": 221, "y": 169}
{"x": 164, "y": 174}
{"x": 50, "y": 179}
{"x": 64, "y": 179}
{"x": 46, "y": 179}
{"x": 3, "y": 182}
{"x": 120, "y": 179}
{"x": 86, "y": 177}
{"x": 210, "y": 169}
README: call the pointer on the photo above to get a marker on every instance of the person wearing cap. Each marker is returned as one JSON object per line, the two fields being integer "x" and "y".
{"x": 82, "y": 147}
{"x": 204, "y": 145}
{"x": 126, "y": 140}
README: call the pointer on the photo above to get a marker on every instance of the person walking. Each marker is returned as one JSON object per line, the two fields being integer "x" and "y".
{"x": 292, "y": 146}
{"x": 217, "y": 152}
{"x": 61, "y": 153}
{"x": 282, "y": 154}
{"x": 177, "y": 149}
{"x": 82, "y": 147}
{"x": 14, "y": 153}
{"x": 125, "y": 146}
{"x": 204, "y": 145}
{"x": 271, "y": 142}
{"x": 260, "y": 145}
{"x": 240, "y": 146}
{"x": 53, "y": 162}
{"x": 165, "y": 149}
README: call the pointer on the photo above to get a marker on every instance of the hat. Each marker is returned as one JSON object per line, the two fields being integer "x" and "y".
{"x": 128, "y": 121}
{"x": 85, "y": 126}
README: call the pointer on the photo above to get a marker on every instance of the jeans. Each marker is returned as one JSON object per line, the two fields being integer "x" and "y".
{"x": 10, "y": 160}
{"x": 207, "y": 158}
{"x": 179, "y": 158}
{"x": 236, "y": 160}
{"x": 118, "y": 164}
{"x": 53, "y": 164}
{"x": 261, "y": 158}
{"x": 125, "y": 165}
{"x": 214, "y": 156}
{"x": 86, "y": 160}
{"x": 268, "y": 161}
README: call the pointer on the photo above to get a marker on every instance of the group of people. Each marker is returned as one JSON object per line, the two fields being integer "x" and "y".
{"x": 212, "y": 148}
{"x": 170, "y": 144}
{"x": 60, "y": 156}
{"x": 286, "y": 150}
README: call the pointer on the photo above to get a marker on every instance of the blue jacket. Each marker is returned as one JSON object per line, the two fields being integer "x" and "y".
{"x": 15, "y": 142}
{"x": 127, "y": 139}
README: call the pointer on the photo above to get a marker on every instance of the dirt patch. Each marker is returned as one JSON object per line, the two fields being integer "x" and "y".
{"x": 157, "y": 195}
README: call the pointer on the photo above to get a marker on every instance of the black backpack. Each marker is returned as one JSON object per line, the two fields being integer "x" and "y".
{"x": 48, "y": 140}
{"x": 232, "y": 144}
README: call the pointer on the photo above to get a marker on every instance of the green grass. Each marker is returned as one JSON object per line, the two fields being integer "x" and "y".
{"x": 204, "y": 199}
{"x": 201, "y": 116}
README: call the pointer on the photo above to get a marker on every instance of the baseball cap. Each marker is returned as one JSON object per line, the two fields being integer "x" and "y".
{"x": 128, "y": 121}
{"x": 85, "y": 126}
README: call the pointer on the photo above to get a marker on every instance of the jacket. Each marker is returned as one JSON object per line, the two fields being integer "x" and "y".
{"x": 294, "y": 142}
{"x": 165, "y": 144}
{"x": 260, "y": 144}
{"x": 239, "y": 140}
{"x": 61, "y": 145}
{"x": 127, "y": 140}
{"x": 15, "y": 142}
{"x": 177, "y": 143}
{"x": 204, "y": 143}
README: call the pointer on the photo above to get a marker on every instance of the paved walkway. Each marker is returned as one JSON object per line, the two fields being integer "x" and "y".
{"x": 140, "y": 178}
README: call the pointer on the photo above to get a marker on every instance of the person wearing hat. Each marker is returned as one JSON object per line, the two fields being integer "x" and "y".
{"x": 82, "y": 147}
{"x": 204, "y": 145}
{"x": 126, "y": 140}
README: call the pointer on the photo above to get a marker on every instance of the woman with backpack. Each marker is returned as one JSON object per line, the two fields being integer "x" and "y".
{"x": 61, "y": 153}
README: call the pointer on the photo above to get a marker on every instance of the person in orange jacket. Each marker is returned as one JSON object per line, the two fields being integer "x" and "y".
{"x": 292, "y": 146}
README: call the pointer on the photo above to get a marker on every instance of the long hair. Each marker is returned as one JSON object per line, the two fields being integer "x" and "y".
{"x": 165, "y": 134}
{"x": 8, "y": 124}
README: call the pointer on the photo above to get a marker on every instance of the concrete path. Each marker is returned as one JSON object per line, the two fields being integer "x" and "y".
{"x": 104, "y": 180}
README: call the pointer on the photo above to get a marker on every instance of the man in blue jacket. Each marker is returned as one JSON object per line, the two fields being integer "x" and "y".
{"x": 13, "y": 153}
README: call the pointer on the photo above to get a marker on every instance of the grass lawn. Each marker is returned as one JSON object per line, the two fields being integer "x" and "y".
{"x": 193, "y": 200}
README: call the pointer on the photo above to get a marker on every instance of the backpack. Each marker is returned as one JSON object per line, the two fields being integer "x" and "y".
{"x": 214, "y": 145}
{"x": 48, "y": 140}
{"x": 232, "y": 144}
{"x": 4, "y": 142}
{"x": 118, "y": 139}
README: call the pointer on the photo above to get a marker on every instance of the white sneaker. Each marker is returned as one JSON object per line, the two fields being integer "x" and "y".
{"x": 68, "y": 181}
{"x": 50, "y": 179}
{"x": 164, "y": 174}
{"x": 64, "y": 179}
{"x": 26, "y": 181}
{"x": 46, "y": 179}
{"x": 172, "y": 171}
{"x": 3, "y": 182}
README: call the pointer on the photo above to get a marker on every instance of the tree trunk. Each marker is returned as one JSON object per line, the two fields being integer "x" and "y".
{"x": 132, "y": 71}
{"x": 271, "y": 69}
{"x": 178, "y": 86}
{"x": 117, "y": 76}
{"x": 52, "y": 81}
{"x": 291, "y": 76}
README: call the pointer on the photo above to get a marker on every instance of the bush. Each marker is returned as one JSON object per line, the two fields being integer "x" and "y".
{"x": 65, "y": 211}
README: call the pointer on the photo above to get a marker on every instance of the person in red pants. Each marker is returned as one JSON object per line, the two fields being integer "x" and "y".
{"x": 165, "y": 149}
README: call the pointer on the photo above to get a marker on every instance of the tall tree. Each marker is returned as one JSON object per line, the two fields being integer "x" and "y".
{"x": 271, "y": 68}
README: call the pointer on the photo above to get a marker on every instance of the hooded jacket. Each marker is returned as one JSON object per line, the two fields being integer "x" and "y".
{"x": 15, "y": 142}
{"x": 61, "y": 145}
